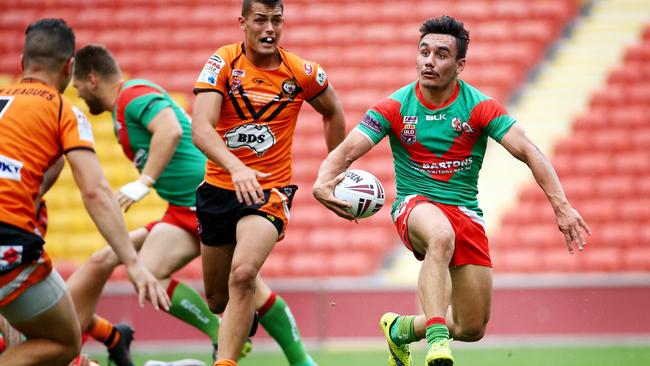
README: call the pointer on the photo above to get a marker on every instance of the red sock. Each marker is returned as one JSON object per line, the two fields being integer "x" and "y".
{"x": 267, "y": 305}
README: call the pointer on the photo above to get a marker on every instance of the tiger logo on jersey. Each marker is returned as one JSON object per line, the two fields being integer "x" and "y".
{"x": 256, "y": 137}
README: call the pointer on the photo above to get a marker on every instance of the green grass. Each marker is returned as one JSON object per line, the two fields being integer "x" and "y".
{"x": 465, "y": 356}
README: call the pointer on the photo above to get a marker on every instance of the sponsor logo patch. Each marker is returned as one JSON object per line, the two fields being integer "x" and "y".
{"x": 321, "y": 77}
{"x": 10, "y": 168}
{"x": 256, "y": 137}
{"x": 460, "y": 126}
{"x": 412, "y": 120}
{"x": 238, "y": 73}
{"x": 83, "y": 125}
{"x": 309, "y": 69}
{"x": 211, "y": 70}
{"x": 10, "y": 256}
{"x": 371, "y": 123}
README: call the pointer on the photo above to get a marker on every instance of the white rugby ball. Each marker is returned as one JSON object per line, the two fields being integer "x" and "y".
{"x": 363, "y": 191}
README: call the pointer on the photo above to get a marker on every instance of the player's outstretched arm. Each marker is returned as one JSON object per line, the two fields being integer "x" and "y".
{"x": 105, "y": 211}
{"x": 569, "y": 220}
{"x": 166, "y": 133}
{"x": 352, "y": 148}
{"x": 328, "y": 105}
{"x": 205, "y": 115}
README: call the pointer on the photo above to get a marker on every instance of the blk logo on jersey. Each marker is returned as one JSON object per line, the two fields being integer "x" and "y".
{"x": 460, "y": 126}
{"x": 436, "y": 117}
{"x": 256, "y": 137}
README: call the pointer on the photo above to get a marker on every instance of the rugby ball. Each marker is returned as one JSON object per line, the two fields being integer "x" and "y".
{"x": 363, "y": 191}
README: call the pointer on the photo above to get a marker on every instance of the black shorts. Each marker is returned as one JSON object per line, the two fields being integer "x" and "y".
{"x": 218, "y": 212}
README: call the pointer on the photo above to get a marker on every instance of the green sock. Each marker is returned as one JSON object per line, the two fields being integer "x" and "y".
{"x": 279, "y": 323}
{"x": 402, "y": 330}
{"x": 436, "y": 333}
{"x": 189, "y": 306}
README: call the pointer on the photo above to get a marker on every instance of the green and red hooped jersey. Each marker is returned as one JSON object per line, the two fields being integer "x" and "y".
{"x": 437, "y": 150}
{"x": 138, "y": 102}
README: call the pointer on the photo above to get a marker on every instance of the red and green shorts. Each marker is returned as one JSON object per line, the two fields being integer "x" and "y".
{"x": 471, "y": 246}
{"x": 181, "y": 216}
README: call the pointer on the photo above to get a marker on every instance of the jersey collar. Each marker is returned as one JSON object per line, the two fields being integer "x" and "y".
{"x": 431, "y": 106}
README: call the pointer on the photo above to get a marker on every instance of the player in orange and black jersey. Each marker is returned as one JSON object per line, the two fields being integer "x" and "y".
{"x": 245, "y": 113}
{"x": 38, "y": 126}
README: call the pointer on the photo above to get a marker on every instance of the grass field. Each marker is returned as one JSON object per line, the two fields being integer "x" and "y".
{"x": 497, "y": 356}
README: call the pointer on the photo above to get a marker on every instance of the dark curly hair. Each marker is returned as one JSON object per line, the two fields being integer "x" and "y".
{"x": 448, "y": 25}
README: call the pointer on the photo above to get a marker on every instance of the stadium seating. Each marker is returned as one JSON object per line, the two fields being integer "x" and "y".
{"x": 368, "y": 50}
{"x": 605, "y": 168}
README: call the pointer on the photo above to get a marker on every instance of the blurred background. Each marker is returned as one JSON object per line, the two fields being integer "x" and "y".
{"x": 574, "y": 73}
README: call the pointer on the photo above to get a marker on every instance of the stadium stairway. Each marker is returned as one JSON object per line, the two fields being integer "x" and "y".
{"x": 367, "y": 49}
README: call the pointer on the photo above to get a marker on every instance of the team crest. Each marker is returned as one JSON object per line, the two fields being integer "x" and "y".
{"x": 289, "y": 88}
{"x": 234, "y": 88}
{"x": 409, "y": 134}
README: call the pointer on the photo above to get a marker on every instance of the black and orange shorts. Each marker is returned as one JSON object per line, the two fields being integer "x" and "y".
{"x": 218, "y": 212}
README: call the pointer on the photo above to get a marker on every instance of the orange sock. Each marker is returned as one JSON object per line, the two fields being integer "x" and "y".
{"x": 104, "y": 331}
{"x": 225, "y": 363}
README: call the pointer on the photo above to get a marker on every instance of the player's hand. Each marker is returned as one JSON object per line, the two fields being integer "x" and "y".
{"x": 247, "y": 188}
{"x": 131, "y": 193}
{"x": 324, "y": 193}
{"x": 572, "y": 226}
{"x": 147, "y": 286}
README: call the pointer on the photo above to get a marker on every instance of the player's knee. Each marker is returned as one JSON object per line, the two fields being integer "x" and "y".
{"x": 470, "y": 333}
{"x": 104, "y": 258}
{"x": 243, "y": 276}
{"x": 441, "y": 244}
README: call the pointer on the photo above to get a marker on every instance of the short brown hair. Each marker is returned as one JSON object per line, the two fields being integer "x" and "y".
{"x": 95, "y": 58}
{"x": 246, "y": 5}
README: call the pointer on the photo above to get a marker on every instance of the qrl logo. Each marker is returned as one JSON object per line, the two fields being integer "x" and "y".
{"x": 258, "y": 138}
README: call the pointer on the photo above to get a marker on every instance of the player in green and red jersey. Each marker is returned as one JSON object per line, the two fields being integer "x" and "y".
{"x": 154, "y": 133}
{"x": 438, "y": 129}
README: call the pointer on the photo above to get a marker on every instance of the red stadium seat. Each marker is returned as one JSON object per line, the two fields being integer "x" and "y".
{"x": 559, "y": 260}
{"x": 351, "y": 264}
{"x": 637, "y": 259}
{"x": 516, "y": 260}
{"x": 602, "y": 259}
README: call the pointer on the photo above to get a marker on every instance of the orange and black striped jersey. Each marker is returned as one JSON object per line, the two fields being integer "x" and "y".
{"x": 259, "y": 110}
{"x": 37, "y": 126}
